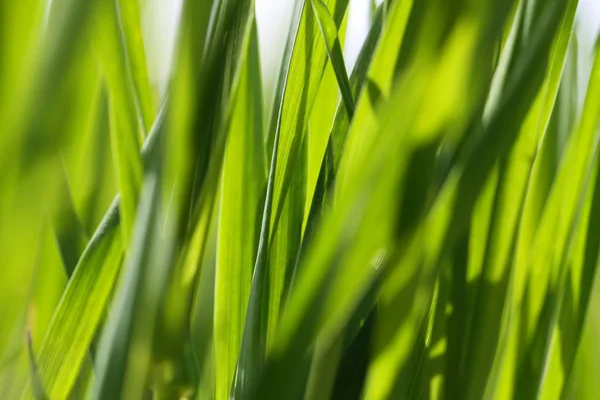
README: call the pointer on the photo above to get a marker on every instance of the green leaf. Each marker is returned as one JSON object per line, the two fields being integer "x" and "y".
{"x": 243, "y": 181}
{"x": 548, "y": 255}
{"x": 125, "y": 132}
{"x": 129, "y": 20}
{"x": 337, "y": 135}
{"x": 329, "y": 31}
{"x": 126, "y": 343}
{"x": 37, "y": 386}
{"x": 81, "y": 307}
{"x": 301, "y": 73}
{"x": 83, "y": 302}
{"x": 514, "y": 180}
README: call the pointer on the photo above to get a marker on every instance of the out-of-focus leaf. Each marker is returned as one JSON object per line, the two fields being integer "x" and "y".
{"x": 129, "y": 20}
{"x": 124, "y": 124}
{"x": 36, "y": 383}
{"x": 82, "y": 305}
{"x": 124, "y": 351}
{"x": 80, "y": 309}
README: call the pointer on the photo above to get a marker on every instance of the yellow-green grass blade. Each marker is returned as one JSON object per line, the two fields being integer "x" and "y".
{"x": 125, "y": 131}
{"x": 243, "y": 183}
{"x": 582, "y": 381}
{"x": 331, "y": 244}
{"x": 303, "y": 73}
{"x": 194, "y": 201}
{"x": 302, "y": 68}
{"x": 284, "y": 246}
{"x": 129, "y": 14}
{"x": 379, "y": 82}
{"x": 69, "y": 232}
{"x": 79, "y": 312}
{"x": 514, "y": 177}
{"x": 90, "y": 172}
{"x": 328, "y": 167}
{"x": 320, "y": 123}
{"x": 544, "y": 287}
{"x": 81, "y": 307}
{"x": 40, "y": 77}
{"x": 329, "y": 31}
{"x": 203, "y": 315}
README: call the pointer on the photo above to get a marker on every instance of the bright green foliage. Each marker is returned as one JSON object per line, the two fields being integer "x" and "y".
{"x": 426, "y": 225}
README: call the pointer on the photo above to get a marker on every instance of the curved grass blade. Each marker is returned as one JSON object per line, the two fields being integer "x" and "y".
{"x": 82, "y": 305}
{"x": 79, "y": 312}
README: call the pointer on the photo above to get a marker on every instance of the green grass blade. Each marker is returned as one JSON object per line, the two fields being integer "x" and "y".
{"x": 129, "y": 20}
{"x": 225, "y": 54}
{"x": 379, "y": 77}
{"x": 135, "y": 306}
{"x": 329, "y": 31}
{"x": 557, "y": 226}
{"x": 329, "y": 165}
{"x": 38, "y": 388}
{"x": 79, "y": 312}
{"x": 304, "y": 72}
{"x": 299, "y": 85}
{"x": 82, "y": 305}
{"x": 124, "y": 125}
{"x": 242, "y": 184}
{"x": 69, "y": 232}
{"x": 515, "y": 174}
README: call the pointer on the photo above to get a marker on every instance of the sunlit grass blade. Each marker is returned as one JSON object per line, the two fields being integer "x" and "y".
{"x": 125, "y": 132}
{"x": 243, "y": 181}
{"x": 379, "y": 80}
{"x": 223, "y": 58}
{"x": 80, "y": 310}
{"x": 329, "y": 31}
{"x": 298, "y": 85}
{"x": 129, "y": 19}
{"x": 317, "y": 200}
{"x": 515, "y": 172}
{"x": 81, "y": 307}
{"x": 544, "y": 287}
